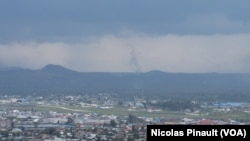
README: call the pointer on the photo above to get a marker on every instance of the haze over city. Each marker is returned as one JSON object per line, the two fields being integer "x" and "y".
{"x": 116, "y": 70}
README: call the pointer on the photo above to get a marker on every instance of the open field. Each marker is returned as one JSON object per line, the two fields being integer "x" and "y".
{"x": 121, "y": 111}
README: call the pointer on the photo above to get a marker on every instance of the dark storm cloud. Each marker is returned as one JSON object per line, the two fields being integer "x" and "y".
{"x": 65, "y": 20}
{"x": 126, "y": 35}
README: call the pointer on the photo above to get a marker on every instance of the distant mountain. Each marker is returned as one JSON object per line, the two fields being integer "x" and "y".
{"x": 56, "y": 69}
{"x": 10, "y": 68}
{"x": 57, "y": 79}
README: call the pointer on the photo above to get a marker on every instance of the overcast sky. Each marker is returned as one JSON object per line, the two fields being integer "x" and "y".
{"x": 126, "y": 35}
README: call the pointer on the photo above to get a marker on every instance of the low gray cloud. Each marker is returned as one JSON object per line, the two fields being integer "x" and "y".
{"x": 171, "y": 53}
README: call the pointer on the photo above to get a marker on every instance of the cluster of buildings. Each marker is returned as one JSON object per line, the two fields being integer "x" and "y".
{"x": 37, "y": 125}
{"x": 33, "y": 125}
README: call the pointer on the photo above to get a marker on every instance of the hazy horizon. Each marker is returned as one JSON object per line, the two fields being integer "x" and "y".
{"x": 127, "y": 36}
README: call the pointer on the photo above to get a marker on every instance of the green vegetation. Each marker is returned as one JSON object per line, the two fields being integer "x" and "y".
{"x": 121, "y": 111}
{"x": 236, "y": 115}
